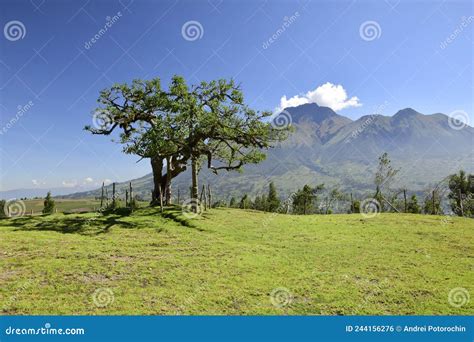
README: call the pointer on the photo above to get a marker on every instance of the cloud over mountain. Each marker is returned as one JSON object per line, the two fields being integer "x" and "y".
{"x": 329, "y": 95}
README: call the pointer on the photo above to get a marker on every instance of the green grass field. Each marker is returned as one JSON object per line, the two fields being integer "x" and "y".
{"x": 235, "y": 262}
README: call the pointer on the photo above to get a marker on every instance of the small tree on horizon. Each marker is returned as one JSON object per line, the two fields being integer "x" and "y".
{"x": 383, "y": 177}
{"x": 413, "y": 206}
{"x": 245, "y": 202}
{"x": 273, "y": 202}
{"x": 48, "y": 204}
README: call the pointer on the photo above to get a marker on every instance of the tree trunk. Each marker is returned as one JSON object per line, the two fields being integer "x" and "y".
{"x": 113, "y": 196}
{"x": 102, "y": 196}
{"x": 157, "y": 168}
{"x": 433, "y": 201}
{"x": 168, "y": 181}
{"x": 209, "y": 195}
{"x": 194, "y": 180}
{"x": 405, "y": 198}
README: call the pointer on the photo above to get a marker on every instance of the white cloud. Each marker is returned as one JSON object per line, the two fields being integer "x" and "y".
{"x": 37, "y": 183}
{"x": 88, "y": 180}
{"x": 70, "y": 184}
{"x": 328, "y": 95}
{"x": 107, "y": 181}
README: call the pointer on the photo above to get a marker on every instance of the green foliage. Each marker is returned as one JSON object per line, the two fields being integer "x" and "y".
{"x": 273, "y": 202}
{"x": 432, "y": 203}
{"x": 413, "y": 206}
{"x": 245, "y": 202}
{"x": 331, "y": 197}
{"x": 205, "y": 122}
{"x": 461, "y": 194}
{"x": 356, "y": 206}
{"x": 2, "y": 208}
{"x": 233, "y": 203}
{"x": 304, "y": 200}
{"x": 383, "y": 177}
{"x": 48, "y": 204}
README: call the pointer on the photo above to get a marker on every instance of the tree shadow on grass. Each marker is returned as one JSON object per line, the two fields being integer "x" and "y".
{"x": 71, "y": 225}
{"x": 175, "y": 213}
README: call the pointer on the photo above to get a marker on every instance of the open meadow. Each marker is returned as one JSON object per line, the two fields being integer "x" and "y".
{"x": 236, "y": 262}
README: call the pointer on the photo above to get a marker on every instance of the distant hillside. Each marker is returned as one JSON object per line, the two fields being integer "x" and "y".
{"x": 332, "y": 149}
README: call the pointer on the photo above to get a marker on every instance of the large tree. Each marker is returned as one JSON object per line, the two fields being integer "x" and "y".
{"x": 141, "y": 111}
{"x": 208, "y": 122}
{"x": 221, "y": 131}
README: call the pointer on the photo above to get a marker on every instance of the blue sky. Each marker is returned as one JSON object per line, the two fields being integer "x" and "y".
{"x": 48, "y": 71}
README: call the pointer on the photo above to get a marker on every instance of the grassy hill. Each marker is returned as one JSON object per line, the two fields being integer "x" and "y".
{"x": 232, "y": 261}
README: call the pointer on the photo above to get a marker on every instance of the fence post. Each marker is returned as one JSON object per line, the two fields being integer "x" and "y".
{"x": 102, "y": 196}
{"x": 460, "y": 203}
{"x": 113, "y": 194}
{"x": 405, "y": 197}
{"x": 352, "y": 205}
{"x": 209, "y": 195}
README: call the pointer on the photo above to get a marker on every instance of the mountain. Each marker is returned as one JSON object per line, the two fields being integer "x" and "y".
{"x": 41, "y": 192}
{"x": 329, "y": 148}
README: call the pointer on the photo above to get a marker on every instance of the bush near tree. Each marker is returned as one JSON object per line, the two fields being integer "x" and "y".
{"x": 48, "y": 204}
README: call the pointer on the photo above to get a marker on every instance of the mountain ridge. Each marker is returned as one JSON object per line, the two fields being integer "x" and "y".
{"x": 329, "y": 148}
